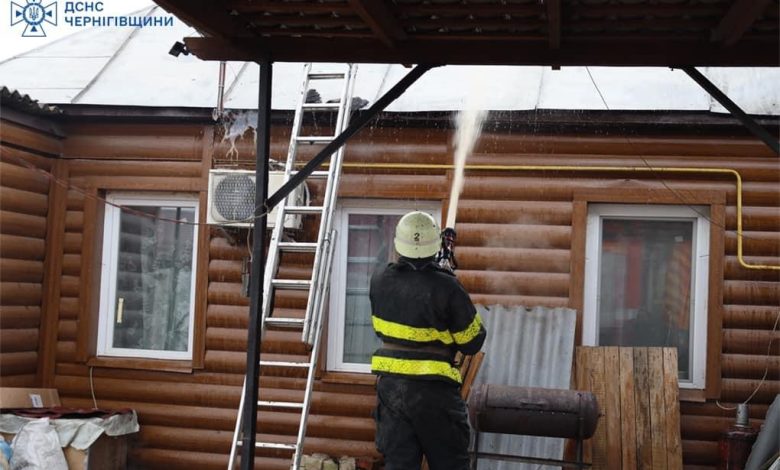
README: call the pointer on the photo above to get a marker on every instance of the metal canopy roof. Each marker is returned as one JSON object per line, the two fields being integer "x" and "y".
{"x": 475, "y": 32}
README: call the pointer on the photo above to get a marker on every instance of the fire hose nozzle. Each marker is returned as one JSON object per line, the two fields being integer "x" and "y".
{"x": 446, "y": 255}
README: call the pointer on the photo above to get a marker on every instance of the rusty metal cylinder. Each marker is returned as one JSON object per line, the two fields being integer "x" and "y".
{"x": 533, "y": 411}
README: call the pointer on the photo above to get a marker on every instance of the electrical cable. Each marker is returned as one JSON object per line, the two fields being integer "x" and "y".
{"x": 656, "y": 174}
{"x": 92, "y": 387}
{"x": 777, "y": 320}
{"x": 86, "y": 194}
{"x": 766, "y": 369}
{"x": 768, "y": 355}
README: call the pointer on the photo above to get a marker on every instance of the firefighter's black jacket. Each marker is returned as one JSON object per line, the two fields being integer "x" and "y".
{"x": 424, "y": 316}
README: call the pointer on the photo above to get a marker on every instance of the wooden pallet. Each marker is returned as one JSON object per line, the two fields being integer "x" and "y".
{"x": 637, "y": 393}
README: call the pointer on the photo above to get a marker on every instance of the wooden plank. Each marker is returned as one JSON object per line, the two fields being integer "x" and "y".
{"x": 515, "y": 259}
{"x": 472, "y": 370}
{"x": 74, "y": 221}
{"x": 20, "y": 294}
{"x": 23, "y": 158}
{"x": 23, "y": 225}
{"x": 577, "y": 267}
{"x": 141, "y": 183}
{"x": 34, "y": 141}
{"x": 593, "y": 51}
{"x": 671, "y": 400}
{"x": 749, "y": 366}
{"x": 738, "y": 20}
{"x": 55, "y": 233}
{"x": 21, "y": 247}
{"x": 18, "y": 270}
{"x": 597, "y": 378}
{"x": 379, "y": 17}
{"x": 19, "y": 339}
{"x": 612, "y": 407}
{"x": 644, "y": 453}
{"x": 628, "y": 408}
{"x": 25, "y": 202}
{"x": 18, "y": 363}
{"x": 715, "y": 302}
{"x": 514, "y": 283}
{"x": 19, "y": 317}
{"x": 515, "y": 235}
{"x": 554, "y": 23}
{"x": 91, "y": 246}
{"x": 212, "y": 18}
{"x": 114, "y": 167}
{"x": 581, "y": 378}
{"x": 658, "y": 408}
{"x": 202, "y": 262}
{"x": 478, "y": 199}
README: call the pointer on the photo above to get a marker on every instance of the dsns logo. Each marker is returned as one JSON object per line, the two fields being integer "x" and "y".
{"x": 34, "y": 14}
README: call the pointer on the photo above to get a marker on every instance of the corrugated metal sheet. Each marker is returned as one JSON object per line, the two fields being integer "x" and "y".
{"x": 14, "y": 99}
{"x": 530, "y": 347}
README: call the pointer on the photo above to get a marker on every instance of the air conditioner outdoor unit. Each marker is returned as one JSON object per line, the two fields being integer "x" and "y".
{"x": 232, "y": 198}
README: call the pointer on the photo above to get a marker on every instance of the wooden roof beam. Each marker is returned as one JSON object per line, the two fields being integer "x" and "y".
{"x": 596, "y": 51}
{"x": 554, "y": 23}
{"x": 210, "y": 17}
{"x": 380, "y": 19}
{"x": 738, "y": 20}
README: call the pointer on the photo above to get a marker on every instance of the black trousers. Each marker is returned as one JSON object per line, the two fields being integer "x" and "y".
{"x": 421, "y": 417}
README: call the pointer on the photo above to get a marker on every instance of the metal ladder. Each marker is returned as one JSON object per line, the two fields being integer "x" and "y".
{"x": 322, "y": 249}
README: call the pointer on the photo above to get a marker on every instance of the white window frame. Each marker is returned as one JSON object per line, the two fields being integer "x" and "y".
{"x": 699, "y": 215}
{"x": 338, "y": 292}
{"x": 107, "y": 313}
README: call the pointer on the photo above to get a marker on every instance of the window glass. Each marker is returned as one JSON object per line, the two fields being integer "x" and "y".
{"x": 148, "y": 279}
{"x": 366, "y": 229}
{"x": 369, "y": 247}
{"x": 645, "y": 285}
{"x": 646, "y": 281}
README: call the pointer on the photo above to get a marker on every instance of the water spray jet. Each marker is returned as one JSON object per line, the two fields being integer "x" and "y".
{"x": 468, "y": 128}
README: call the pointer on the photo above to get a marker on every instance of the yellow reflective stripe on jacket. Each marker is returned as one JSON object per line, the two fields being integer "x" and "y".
{"x": 471, "y": 331}
{"x": 411, "y": 333}
{"x": 414, "y": 367}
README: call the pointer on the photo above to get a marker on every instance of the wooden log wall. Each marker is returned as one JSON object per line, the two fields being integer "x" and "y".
{"x": 24, "y": 209}
{"x": 514, "y": 247}
{"x": 515, "y": 229}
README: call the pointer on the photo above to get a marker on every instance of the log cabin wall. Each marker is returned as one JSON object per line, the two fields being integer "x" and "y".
{"x": 515, "y": 247}
{"x": 29, "y": 148}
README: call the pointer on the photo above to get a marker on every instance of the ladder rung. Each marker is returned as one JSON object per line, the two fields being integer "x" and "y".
{"x": 271, "y": 445}
{"x": 303, "y": 209}
{"x": 280, "y": 404}
{"x": 289, "y": 322}
{"x": 315, "y": 139}
{"x": 320, "y": 174}
{"x": 303, "y": 365}
{"x": 293, "y": 284}
{"x": 325, "y": 76}
{"x": 322, "y": 106}
{"x": 298, "y": 247}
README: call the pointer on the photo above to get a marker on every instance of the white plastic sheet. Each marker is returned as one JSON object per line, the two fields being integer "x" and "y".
{"x": 37, "y": 447}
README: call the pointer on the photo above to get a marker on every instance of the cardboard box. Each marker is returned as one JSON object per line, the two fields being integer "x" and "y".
{"x": 28, "y": 397}
{"x": 106, "y": 453}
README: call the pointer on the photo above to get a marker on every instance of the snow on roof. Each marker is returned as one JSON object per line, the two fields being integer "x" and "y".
{"x": 132, "y": 67}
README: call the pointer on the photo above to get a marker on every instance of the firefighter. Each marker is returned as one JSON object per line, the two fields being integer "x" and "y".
{"x": 423, "y": 316}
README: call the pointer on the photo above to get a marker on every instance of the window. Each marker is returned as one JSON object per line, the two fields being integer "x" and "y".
{"x": 147, "y": 291}
{"x": 646, "y": 274}
{"x": 365, "y": 243}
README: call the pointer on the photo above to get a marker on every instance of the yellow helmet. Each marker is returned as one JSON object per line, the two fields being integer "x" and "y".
{"x": 417, "y": 235}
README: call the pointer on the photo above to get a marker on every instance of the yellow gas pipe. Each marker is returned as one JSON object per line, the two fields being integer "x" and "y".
{"x": 638, "y": 169}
